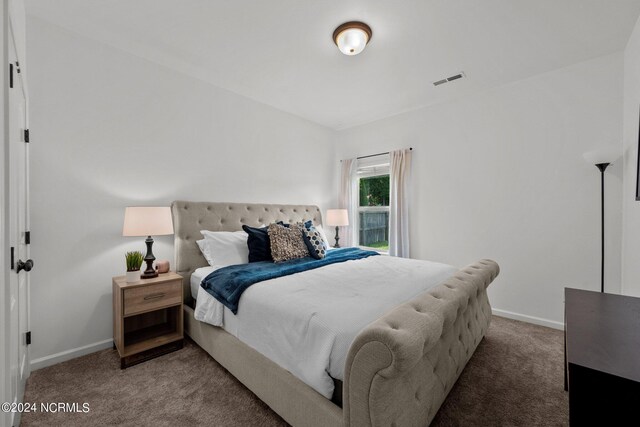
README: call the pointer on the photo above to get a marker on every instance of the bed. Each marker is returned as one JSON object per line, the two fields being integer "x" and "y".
{"x": 398, "y": 370}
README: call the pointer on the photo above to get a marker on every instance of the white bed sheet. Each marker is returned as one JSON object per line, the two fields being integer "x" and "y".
{"x": 212, "y": 311}
{"x": 306, "y": 322}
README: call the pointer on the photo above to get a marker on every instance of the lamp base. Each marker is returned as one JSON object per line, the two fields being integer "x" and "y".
{"x": 149, "y": 258}
{"x": 337, "y": 245}
{"x": 149, "y": 274}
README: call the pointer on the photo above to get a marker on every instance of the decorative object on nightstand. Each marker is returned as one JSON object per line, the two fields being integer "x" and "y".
{"x": 337, "y": 218}
{"x": 147, "y": 317}
{"x": 162, "y": 266}
{"x": 134, "y": 262}
{"x": 602, "y": 159}
{"x": 148, "y": 221}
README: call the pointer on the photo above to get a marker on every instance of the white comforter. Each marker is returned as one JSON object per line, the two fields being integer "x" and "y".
{"x": 306, "y": 322}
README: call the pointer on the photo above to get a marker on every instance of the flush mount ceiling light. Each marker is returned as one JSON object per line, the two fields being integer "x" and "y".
{"x": 352, "y": 37}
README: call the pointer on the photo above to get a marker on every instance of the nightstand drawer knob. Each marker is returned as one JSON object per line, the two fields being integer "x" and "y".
{"x": 154, "y": 296}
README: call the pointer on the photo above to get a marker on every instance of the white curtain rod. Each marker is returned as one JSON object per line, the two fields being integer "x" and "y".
{"x": 373, "y": 155}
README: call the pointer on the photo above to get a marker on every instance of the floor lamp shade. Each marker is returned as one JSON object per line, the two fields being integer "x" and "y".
{"x": 601, "y": 156}
{"x": 148, "y": 221}
{"x": 337, "y": 218}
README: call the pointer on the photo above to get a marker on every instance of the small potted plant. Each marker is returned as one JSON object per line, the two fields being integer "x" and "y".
{"x": 134, "y": 262}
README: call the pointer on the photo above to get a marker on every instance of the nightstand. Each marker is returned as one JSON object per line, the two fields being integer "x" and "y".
{"x": 147, "y": 317}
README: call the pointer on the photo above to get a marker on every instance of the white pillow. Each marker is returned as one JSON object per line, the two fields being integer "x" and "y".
{"x": 223, "y": 248}
{"x": 324, "y": 236}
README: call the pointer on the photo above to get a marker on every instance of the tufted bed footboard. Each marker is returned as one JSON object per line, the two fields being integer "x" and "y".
{"x": 401, "y": 367}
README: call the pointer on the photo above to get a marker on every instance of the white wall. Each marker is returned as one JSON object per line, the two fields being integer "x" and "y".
{"x": 111, "y": 130}
{"x": 631, "y": 208}
{"x": 500, "y": 175}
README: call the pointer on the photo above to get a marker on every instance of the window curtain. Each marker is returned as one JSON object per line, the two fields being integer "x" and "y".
{"x": 348, "y": 195}
{"x": 399, "y": 175}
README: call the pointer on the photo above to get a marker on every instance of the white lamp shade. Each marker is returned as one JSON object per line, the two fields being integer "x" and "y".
{"x": 352, "y": 41}
{"x": 337, "y": 217}
{"x": 147, "y": 221}
{"x": 603, "y": 155}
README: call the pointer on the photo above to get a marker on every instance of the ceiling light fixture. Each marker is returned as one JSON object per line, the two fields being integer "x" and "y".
{"x": 352, "y": 37}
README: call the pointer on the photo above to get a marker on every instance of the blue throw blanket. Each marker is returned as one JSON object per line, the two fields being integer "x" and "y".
{"x": 228, "y": 283}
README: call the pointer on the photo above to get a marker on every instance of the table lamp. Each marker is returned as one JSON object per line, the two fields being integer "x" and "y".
{"x": 147, "y": 221}
{"x": 337, "y": 218}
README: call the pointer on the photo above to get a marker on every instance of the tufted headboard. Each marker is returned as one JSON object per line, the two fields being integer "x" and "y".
{"x": 191, "y": 217}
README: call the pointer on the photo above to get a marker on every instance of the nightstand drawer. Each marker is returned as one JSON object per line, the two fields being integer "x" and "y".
{"x": 145, "y": 298}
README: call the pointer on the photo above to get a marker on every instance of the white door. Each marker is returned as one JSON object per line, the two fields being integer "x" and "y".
{"x": 19, "y": 236}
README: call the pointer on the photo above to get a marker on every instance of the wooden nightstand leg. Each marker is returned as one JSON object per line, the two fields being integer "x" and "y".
{"x": 114, "y": 345}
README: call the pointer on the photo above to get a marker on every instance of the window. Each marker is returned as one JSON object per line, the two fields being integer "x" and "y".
{"x": 373, "y": 202}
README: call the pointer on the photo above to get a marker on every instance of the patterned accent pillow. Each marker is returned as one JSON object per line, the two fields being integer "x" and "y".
{"x": 287, "y": 242}
{"x": 314, "y": 241}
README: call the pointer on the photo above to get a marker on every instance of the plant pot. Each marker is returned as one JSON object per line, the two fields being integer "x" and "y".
{"x": 133, "y": 276}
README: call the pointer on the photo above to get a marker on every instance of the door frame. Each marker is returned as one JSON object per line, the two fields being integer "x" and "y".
{"x": 4, "y": 218}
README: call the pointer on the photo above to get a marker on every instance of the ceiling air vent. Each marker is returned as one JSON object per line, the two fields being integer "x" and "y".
{"x": 449, "y": 79}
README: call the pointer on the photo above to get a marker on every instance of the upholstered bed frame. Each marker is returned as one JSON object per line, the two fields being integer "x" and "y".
{"x": 399, "y": 369}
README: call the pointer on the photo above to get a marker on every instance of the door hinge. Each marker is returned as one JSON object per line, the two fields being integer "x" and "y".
{"x": 26, "y": 135}
{"x": 27, "y": 237}
{"x": 11, "y": 76}
{"x": 17, "y": 67}
{"x": 28, "y": 337}
{"x": 13, "y": 258}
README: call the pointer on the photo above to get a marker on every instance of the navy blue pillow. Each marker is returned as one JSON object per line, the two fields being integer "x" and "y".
{"x": 307, "y": 224}
{"x": 259, "y": 243}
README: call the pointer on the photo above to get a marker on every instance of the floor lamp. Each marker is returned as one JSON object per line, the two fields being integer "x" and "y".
{"x": 601, "y": 159}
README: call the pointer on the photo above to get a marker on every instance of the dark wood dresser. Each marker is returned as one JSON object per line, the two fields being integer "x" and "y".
{"x": 602, "y": 352}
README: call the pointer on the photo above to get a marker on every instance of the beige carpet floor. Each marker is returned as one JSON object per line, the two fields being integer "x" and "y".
{"x": 515, "y": 378}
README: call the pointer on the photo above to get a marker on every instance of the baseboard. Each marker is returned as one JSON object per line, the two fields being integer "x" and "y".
{"x": 52, "y": 359}
{"x": 529, "y": 319}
